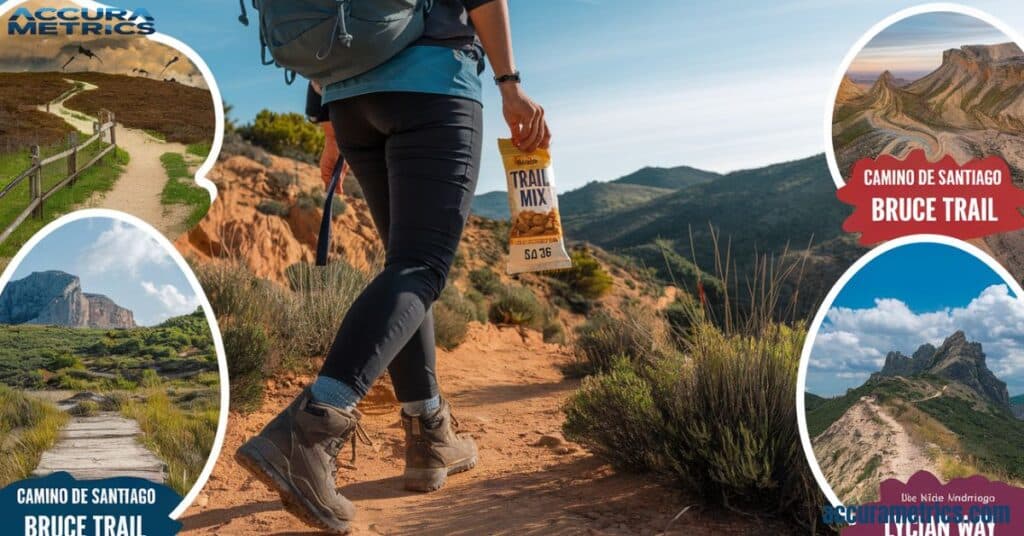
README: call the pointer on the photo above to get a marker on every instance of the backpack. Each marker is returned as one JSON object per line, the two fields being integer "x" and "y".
{"x": 333, "y": 40}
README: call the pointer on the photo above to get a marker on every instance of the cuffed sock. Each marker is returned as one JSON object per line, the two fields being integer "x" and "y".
{"x": 327, "y": 390}
{"x": 422, "y": 407}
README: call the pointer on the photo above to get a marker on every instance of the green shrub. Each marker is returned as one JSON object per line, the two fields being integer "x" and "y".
{"x": 64, "y": 361}
{"x": 281, "y": 180}
{"x": 311, "y": 200}
{"x": 517, "y": 306}
{"x": 272, "y": 207}
{"x": 452, "y": 315}
{"x": 553, "y": 331}
{"x": 605, "y": 337}
{"x": 486, "y": 281}
{"x": 285, "y": 134}
{"x": 321, "y": 297}
{"x": 150, "y": 378}
{"x": 246, "y": 348}
{"x": 615, "y": 415}
{"x": 586, "y": 277}
{"x": 27, "y": 427}
{"x": 479, "y": 304}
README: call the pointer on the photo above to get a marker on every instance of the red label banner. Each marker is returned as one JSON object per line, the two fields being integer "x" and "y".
{"x": 894, "y": 198}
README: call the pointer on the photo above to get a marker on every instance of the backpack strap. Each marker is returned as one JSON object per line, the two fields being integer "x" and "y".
{"x": 323, "y": 242}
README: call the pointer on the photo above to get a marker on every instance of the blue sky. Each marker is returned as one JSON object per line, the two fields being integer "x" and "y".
{"x": 120, "y": 261}
{"x": 913, "y": 47}
{"x": 719, "y": 85}
{"x": 916, "y": 294}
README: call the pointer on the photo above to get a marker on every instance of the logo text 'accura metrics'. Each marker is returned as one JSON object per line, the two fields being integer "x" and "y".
{"x": 50, "y": 21}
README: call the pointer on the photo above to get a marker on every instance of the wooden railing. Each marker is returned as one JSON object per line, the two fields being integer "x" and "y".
{"x": 34, "y": 173}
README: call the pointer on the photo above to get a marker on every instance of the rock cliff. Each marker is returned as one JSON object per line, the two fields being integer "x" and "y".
{"x": 56, "y": 298}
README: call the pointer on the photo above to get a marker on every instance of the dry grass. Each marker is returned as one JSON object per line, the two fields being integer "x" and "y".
{"x": 180, "y": 113}
{"x": 20, "y": 125}
{"x": 27, "y": 428}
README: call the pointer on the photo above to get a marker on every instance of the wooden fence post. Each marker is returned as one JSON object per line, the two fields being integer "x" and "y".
{"x": 35, "y": 183}
{"x": 73, "y": 157}
{"x": 113, "y": 136}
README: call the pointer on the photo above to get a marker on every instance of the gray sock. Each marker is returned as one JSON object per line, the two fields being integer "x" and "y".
{"x": 334, "y": 393}
{"x": 422, "y": 407}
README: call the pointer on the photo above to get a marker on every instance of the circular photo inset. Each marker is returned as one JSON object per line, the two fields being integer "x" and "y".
{"x": 947, "y": 82}
{"x": 915, "y": 363}
{"x": 111, "y": 363}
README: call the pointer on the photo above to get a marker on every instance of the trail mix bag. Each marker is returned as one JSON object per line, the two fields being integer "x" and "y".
{"x": 535, "y": 240}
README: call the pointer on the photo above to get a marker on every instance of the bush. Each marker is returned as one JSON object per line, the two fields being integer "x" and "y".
{"x": 586, "y": 277}
{"x": 517, "y": 306}
{"x": 553, "y": 331}
{"x": 721, "y": 421}
{"x": 246, "y": 348}
{"x": 85, "y": 408}
{"x": 37, "y": 423}
{"x": 281, "y": 180}
{"x": 272, "y": 207}
{"x": 321, "y": 297}
{"x": 285, "y": 134}
{"x": 452, "y": 315}
{"x": 604, "y": 338}
{"x": 150, "y": 379}
{"x": 486, "y": 281}
{"x": 64, "y": 361}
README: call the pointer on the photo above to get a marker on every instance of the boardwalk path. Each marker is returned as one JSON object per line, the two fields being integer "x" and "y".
{"x": 102, "y": 446}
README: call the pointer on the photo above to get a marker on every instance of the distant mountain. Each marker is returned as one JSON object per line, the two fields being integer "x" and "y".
{"x": 939, "y": 408}
{"x": 757, "y": 210}
{"x": 957, "y": 360}
{"x": 971, "y": 106}
{"x": 596, "y": 197}
{"x": 56, "y": 298}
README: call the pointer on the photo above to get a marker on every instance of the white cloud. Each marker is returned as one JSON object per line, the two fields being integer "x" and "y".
{"x": 174, "y": 301}
{"x": 123, "y": 249}
{"x": 854, "y": 342}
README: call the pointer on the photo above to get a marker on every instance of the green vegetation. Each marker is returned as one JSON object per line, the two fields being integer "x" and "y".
{"x": 1001, "y": 453}
{"x": 870, "y": 468}
{"x": 201, "y": 149}
{"x": 486, "y": 281}
{"x": 285, "y": 134}
{"x": 273, "y": 207}
{"x": 179, "y": 429}
{"x": 27, "y": 428}
{"x": 98, "y": 178}
{"x": 267, "y": 328}
{"x": 452, "y": 314}
{"x": 580, "y": 286}
{"x": 606, "y": 338}
{"x": 181, "y": 189}
{"x": 35, "y": 357}
{"x": 517, "y": 306}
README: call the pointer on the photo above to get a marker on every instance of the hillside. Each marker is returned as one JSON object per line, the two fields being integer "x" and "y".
{"x": 971, "y": 106}
{"x": 36, "y": 357}
{"x": 941, "y": 409}
{"x": 1017, "y": 403}
{"x": 595, "y": 197}
{"x": 758, "y": 210}
{"x": 56, "y": 298}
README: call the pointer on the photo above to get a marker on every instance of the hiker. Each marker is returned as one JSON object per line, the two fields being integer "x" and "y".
{"x": 319, "y": 113}
{"x": 411, "y": 128}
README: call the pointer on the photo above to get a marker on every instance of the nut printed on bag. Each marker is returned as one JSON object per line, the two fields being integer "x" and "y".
{"x": 536, "y": 242}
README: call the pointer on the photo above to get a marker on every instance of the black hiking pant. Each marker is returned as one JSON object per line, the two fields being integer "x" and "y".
{"x": 417, "y": 159}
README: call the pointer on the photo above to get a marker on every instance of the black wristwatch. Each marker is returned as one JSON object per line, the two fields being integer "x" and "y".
{"x": 514, "y": 77}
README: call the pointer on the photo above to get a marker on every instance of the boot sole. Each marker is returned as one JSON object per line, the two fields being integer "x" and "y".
{"x": 252, "y": 460}
{"x": 426, "y": 480}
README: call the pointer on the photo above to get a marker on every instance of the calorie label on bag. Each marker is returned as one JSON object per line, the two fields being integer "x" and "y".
{"x": 536, "y": 242}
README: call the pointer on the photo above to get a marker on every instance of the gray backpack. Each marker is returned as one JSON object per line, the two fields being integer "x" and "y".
{"x": 333, "y": 40}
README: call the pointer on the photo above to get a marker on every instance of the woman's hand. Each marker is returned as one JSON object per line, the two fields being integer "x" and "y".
{"x": 525, "y": 119}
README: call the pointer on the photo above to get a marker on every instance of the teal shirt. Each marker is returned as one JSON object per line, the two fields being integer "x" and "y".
{"x": 417, "y": 69}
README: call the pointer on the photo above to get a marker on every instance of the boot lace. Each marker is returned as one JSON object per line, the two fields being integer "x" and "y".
{"x": 358, "y": 435}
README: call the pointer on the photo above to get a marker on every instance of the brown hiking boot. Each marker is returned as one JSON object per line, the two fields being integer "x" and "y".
{"x": 295, "y": 455}
{"x": 433, "y": 450}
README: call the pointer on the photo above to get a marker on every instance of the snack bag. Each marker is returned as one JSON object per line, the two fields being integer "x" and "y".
{"x": 535, "y": 240}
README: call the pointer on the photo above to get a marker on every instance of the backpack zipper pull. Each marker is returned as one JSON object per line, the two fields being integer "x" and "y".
{"x": 340, "y": 32}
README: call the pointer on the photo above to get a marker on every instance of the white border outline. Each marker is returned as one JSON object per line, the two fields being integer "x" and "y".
{"x": 815, "y": 327}
{"x": 225, "y": 385}
{"x": 879, "y": 27}
{"x": 204, "y": 69}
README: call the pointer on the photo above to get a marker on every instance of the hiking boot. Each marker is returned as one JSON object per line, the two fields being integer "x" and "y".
{"x": 433, "y": 450}
{"x": 295, "y": 455}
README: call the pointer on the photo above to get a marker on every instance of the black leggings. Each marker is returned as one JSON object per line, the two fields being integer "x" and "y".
{"x": 417, "y": 158}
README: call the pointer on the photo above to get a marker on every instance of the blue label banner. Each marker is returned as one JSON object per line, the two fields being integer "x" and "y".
{"x": 60, "y": 505}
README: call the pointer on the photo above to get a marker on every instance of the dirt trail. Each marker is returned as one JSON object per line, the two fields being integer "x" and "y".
{"x": 101, "y": 446}
{"x": 507, "y": 391}
{"x": 138, "y": 190}
{"x": 903, "y": 458}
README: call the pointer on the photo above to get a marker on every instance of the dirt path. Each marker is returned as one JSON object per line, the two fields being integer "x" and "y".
{"x": 101, "y": 446}
{"x": 138, "y": 190}
{"x": 507, "y": 391}
{"x": 903, "y": 458}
